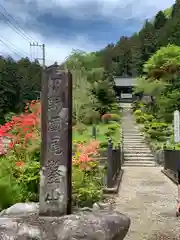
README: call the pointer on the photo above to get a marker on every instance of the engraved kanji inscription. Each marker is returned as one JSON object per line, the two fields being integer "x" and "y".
{"x": 55, "y": 146}
{"x": 54, "y": 173}
{"x": 55, "y": 124}
{"x": 54, "y": 86}
{"x": 53, "y": 194}
{"x": 55, "y": 106}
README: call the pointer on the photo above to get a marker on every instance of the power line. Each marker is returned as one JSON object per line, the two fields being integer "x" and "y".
{"x": 29, "y": 38}
{"x": 14, "y": 51}
{"x": 7, "y": 21}
{"x": 18, "y": 29}
{"x": 13, "y": 46}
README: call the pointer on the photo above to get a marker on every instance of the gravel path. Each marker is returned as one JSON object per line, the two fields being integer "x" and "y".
{"x": 149, "y": 199}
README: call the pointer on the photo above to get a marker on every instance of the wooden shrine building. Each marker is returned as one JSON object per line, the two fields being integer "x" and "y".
{"x": 124, "y": 88}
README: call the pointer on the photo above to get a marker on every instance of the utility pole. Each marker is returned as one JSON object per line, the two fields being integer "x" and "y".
{"x": 43, "y": 58}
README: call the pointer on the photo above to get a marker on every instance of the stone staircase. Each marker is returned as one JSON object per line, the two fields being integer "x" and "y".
{"x": 136, "y": 150}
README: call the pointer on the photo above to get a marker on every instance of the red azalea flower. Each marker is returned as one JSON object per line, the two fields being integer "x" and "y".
{"x": 20, "y": 164}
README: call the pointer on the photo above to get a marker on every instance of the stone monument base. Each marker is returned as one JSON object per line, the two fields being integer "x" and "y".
{"x": 84, "y": 225}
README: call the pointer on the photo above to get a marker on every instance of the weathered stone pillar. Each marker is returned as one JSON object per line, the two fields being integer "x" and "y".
{"x": 56, "y": 151}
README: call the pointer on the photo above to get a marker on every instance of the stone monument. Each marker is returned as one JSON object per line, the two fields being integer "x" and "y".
{"x": 56, "y": 150}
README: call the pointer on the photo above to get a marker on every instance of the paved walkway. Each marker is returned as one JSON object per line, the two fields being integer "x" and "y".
{"x": 148, "y": 198}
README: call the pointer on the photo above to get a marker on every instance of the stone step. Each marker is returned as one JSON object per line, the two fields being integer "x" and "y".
{"x": 131, "y": 136}
{"x": 134, "y": 141}
{"x": 132, "y": 149}
{"x": 139, "y": 165}
{"x": 138, "y": 154}
{"x": 135, "y": 136}
{"x": 130, "y": 124}
{"x": 137, "y": 143}
{"x": 133, "y": 145}
{"x": 138, "y": 158}
{"x": 131, "y": 131}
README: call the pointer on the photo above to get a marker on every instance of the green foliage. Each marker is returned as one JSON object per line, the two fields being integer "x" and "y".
{"x": 167, "y": 12}
{"x": 28, "y": 178}
{"x": 143, "y": 117}
{"x": 92, "y": 92}
{"x": 8, "y": 116}
{"x": 91, "y": 117}
{"x": 160, "y": 20}
{"x": 158, "y": 130}
{"x": 128, "y": 55}
{"x": 104, "y": 143}
{"x": 168, "y": 104}
{"x": 109, "y": 117}
{"x": 103, "y": 90}
{"x": 10, "y": 190}
{"x": 87, "y": 186}
{"x": 19, "y": 82}
{"x": 138, "y": 113}
{"x": 114, "y": 108}
{"x": 115, "y": 117}
{"x": 112, "y": 128}
{"x": 164, "y": 64}
{"x": 161, "y": 81}
{"x": 81, "y": 128}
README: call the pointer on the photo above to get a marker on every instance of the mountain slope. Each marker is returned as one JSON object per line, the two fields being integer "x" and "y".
{"x": 128, "y": 55}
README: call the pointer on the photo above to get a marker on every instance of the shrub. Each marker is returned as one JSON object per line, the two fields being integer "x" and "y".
{"x": 148, "y": 117}
{"x": 158, "y": 130}
{"x": 27, "y": 176}
{"x": 91, "y": 117}
{"x": 140, "y": 119}
{"x": 9, "y": 116}
{"x": 115, "y": 117}
{"x": 81, "y": 128}
{"x": 113, "y": 127}
{"x": 147, "y": 126}
{"x": 143, "y": 117}
{"x": 135, "y": 105}
{"x": 138, "y": 113}
{"x": 87, "y": 175}
{"x": 104, "y": 144}
{"x": 115, "y": 108}
{"x": 87, "y": 189}
{"x": 106, "y": 118}
{"x": 10, "y": 190}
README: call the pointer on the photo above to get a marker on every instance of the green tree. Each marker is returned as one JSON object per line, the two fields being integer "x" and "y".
{"x": 160, "y": 20}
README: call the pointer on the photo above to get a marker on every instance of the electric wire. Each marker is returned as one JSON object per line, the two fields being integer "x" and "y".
{"x": 15, "y": 26}
{"x": 18, "y": 29}
{"x": 11, "y": 48}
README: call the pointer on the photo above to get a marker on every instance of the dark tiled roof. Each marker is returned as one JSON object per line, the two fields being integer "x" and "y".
{"x": 125, "y": 81}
